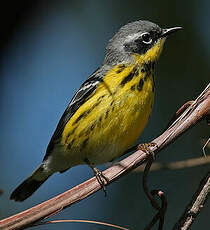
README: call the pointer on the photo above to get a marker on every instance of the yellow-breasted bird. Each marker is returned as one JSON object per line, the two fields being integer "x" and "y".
{"x": 111, "y": 108}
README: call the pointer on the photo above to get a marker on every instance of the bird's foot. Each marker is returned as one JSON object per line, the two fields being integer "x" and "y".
{"x": 145, "y": 147}
{"x": 101, "y": 178}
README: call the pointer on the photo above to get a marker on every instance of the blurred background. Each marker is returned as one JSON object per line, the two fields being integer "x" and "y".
{"x": 47, "y": 49}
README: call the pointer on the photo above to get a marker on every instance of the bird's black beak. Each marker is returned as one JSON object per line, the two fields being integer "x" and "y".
{"x": 166, "y": 32}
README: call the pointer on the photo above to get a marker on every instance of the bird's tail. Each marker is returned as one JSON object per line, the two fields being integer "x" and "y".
{"x": 31, "y": 184}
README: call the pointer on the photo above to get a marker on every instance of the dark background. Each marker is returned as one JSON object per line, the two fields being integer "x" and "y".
{"x": 47, "y": 49}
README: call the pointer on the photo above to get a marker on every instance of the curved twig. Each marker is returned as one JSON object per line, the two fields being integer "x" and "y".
{"x": 82, "y": 221}
{"x": 151, "y": 196}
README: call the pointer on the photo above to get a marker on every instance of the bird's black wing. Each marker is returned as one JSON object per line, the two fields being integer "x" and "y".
{"x": 86, "y": 89}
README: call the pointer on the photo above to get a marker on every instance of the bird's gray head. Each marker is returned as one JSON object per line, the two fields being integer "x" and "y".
{"x": 136, "y": 38}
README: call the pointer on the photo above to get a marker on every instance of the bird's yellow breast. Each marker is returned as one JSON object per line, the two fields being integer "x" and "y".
{"x": 113, "y": 117}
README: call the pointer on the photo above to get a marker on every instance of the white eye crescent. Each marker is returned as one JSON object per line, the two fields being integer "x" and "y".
{"x": 146, "y": 38}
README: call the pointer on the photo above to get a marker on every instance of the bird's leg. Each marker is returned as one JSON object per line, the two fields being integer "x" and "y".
{"x": 101, "y": 178}
{"x": 146, "y": 148}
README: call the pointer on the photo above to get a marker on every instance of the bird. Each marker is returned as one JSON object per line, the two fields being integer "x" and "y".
{"x": 109, "y": 111}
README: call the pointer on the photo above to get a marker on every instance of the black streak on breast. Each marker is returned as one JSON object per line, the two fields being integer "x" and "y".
{"x": 140, "y": 85}
{"x": 120, "y": 68}
{"x": 130, "y": 76}
{"x": 147, "y": 67}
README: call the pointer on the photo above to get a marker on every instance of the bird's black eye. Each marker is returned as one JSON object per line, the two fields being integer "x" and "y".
{"x": 146, "y": 38}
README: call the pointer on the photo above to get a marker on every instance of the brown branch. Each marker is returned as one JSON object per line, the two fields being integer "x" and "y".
{"x": 194, "y": 162}
{"x": 197, "y": 111}
{"x": 82, "y": 221}
{"x": 195, "y": 206}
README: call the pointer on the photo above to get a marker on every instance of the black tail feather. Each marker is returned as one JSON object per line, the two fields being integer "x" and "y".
{"x": 26, "y": 189}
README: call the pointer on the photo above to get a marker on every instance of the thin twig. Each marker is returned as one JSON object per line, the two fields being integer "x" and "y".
{"x": 151, "y": 196}
{"x": 204, "y": 147}
{"x": 195, "y": 206}
{"x": 194, "y": 162}
{"x": 179, "y": 112}
{"x": 153, "y": 201}
{"x": 161, "y": 213}
{"x": 82, "y": 221}
{"x": 196, "y": 112}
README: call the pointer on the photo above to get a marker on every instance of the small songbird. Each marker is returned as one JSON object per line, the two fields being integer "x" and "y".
{"x": 109, "y": 111}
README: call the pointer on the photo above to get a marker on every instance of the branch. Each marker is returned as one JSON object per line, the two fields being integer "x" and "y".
{"x": 195, "y": 206}
{"x": 194, "y": 162}
{"x": 197, "y": 111}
